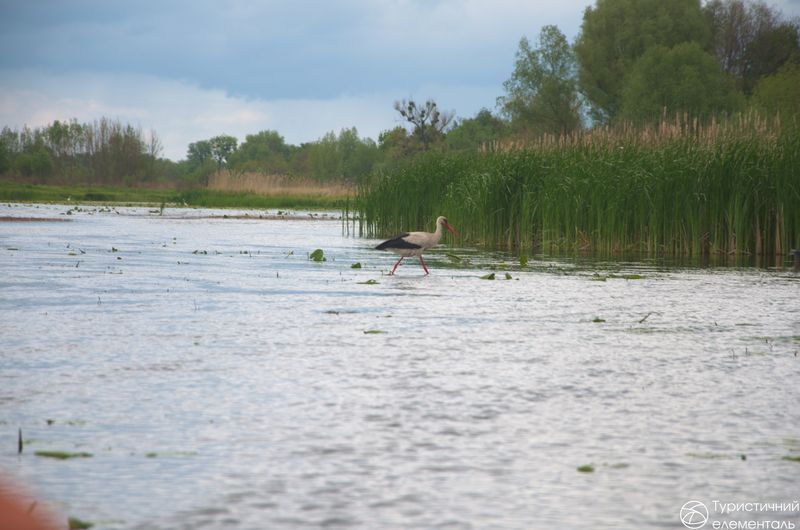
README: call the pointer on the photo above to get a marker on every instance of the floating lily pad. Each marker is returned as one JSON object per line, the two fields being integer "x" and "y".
{"x": 586, "y": 468}
{"x": 374, "y": 332}
{"x": 355, "y": 266}
{"x": 317, "y": 255}
{"x": 598, "y": 320}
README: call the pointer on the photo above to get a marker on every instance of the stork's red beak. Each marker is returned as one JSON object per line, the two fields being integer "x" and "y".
{"x": 447, "y": 225}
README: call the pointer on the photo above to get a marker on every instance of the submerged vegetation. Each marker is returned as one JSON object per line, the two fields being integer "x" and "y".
{"x": 62, "y": 455}
{"x": 678, "y": 188}
{"x": 78, "y": 524}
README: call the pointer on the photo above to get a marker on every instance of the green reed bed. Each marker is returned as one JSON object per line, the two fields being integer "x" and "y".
{"x": 676, "y": 189}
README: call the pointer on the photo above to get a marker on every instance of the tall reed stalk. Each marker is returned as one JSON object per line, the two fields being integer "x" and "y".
{"x": 678, "y": 188}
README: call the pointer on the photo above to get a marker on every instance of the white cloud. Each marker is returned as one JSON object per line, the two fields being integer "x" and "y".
{"x": 282, "y": 49}
{"x": 180, "y": 112}
{"x": 306, "y": 69}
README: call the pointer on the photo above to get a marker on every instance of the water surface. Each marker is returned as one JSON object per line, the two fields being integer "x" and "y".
{"x": 221, "y": 379}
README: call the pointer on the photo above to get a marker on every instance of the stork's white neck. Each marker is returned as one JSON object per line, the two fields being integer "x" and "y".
{"x": 437, "y": 235}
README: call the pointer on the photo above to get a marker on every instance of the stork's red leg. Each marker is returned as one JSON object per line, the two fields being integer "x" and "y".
{"x": 396, "y": 264}
{"x": 423, "y": 264}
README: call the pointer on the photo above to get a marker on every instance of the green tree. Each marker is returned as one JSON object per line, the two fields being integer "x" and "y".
{"x": 780, "y": 92}
{"x": 429, "y": 123}
{"x": 199, "y": 152}
{"x": 265, "y": 152}
{"x": 542, "y": 93}
{"x": 615, "y": 33}
{"x": 36, "y": 163}
{"x": 357, "y": 155}
{"x": 472, "y": 133}
{"x": 768, "y": 52}
{"x": 300, "y": 160}
{"x": 222, "y": 147}
{"x": 345, "y": 156}
{"x": 324, "y": 158}
{"x": 199, "y": 163}
{"x": 683, "y": 79}
{"x": 750, "y": 39}
{"x": 395, "y": 144}
{"x": 5, "y": 156}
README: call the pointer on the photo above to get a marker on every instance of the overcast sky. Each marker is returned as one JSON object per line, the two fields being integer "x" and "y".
{"x": 193, "y": 69}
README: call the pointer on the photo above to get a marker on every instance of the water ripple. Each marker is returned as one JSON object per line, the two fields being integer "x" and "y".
{"x": 221, "y": 379}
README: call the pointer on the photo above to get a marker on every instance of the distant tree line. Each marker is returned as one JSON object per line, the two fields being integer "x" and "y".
{"x": 102, "y": 152}
{"x": 342, "y": 156}
{"x": 634, "y": 61}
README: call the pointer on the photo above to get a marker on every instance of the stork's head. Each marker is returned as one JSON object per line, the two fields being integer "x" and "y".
{"x": 441, "y": 220}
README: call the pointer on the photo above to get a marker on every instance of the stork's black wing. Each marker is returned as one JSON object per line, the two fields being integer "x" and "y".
{"x": 396, "y": 242}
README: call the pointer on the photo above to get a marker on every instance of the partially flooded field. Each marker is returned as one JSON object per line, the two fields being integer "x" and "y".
{"x": 195, "y": 369}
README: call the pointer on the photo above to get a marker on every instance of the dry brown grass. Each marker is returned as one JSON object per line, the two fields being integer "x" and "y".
{"x": 680, "y": 127}
{"x": 276, "y": 185}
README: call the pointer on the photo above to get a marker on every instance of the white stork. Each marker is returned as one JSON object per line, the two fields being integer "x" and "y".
{"x": 414, "y": 243}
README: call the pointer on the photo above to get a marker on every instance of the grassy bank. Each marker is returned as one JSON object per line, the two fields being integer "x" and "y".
{"x": 14, "y": 192}
{"x": 677, "y": 189}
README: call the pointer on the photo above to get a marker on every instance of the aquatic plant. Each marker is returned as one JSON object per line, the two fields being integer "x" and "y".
{"x": 62, "y": 455}
{"x": 154, "y": 454}
{"x": 78, "y": 524}
{"x": 678, "y": 188}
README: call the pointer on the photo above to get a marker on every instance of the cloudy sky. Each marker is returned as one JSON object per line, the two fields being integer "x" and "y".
{"x": 193, "y": 69}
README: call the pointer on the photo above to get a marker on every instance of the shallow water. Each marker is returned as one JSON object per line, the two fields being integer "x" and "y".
{"x": 221, "y": 379}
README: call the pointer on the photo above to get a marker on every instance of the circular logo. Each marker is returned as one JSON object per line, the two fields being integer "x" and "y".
{"x": 694, "y": 514}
